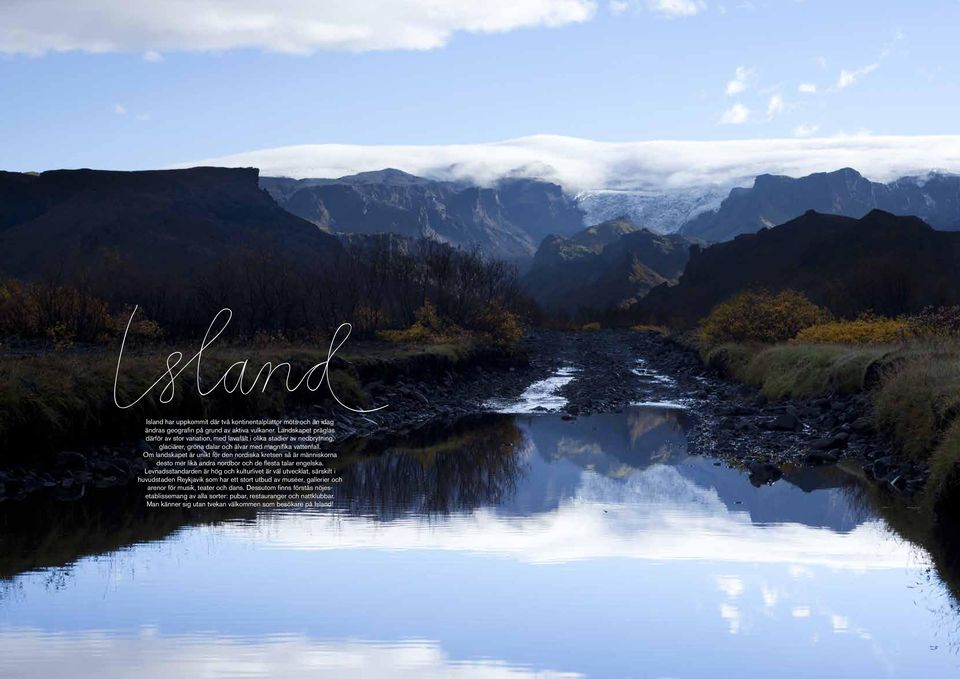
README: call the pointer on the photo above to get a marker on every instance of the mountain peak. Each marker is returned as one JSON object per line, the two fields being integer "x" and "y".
{"x": 777, "y": 199}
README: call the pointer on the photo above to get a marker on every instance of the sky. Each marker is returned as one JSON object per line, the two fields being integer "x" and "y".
{"x": 128, "y": 84}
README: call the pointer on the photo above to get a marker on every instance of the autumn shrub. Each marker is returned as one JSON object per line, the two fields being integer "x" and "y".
{"x": 866, "y": 329}
{"x": 760, "y": 316}
{"x": 590, "y": 327}
{"x": 427, "y": 328}
{"x": 500, "y": 324}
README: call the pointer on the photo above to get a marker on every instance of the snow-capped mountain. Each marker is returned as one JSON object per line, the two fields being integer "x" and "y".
{"x": 659, "y": 211}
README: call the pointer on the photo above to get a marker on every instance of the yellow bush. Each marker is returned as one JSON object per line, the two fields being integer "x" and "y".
{"x": 502, "y": 325}
{"x": 760, "y": 316}
{"x": 590, "y": 326}
{"x": 864, "y": 330}
{"x": 428, "y": 328}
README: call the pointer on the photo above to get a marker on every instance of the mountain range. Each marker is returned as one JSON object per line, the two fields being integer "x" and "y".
{"x": 884, "y": 263}
{"x": 612, "y": 264}
{"x": 506, "y": 220}
{"x": 775, "y": 199}
{"x": 58, "y": 222}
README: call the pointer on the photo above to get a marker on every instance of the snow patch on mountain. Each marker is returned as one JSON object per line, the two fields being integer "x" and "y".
{"x": 659, "y": 211}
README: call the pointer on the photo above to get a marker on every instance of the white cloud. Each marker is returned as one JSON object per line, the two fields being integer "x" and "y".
{"x": 291, "y": 26}
{"x": 775, "y": 106}
{"x": 676, "y": 8}
{"x": 581, "y": 164}
{"x": 807, "y": 88}
{"x": 735, "y": 87}
{"x": 152, "y": 56}
{"x": 735, "y": 115}
{"x": 848, "y": 78}
{"x": 739, "y": 82}
{"x": 120, "y": 109}
{"x": 618, "y": 6}
{"x": 805, "y": 130}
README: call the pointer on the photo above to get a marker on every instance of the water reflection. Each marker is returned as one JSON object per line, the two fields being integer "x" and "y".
{"x": 505, "y": 546}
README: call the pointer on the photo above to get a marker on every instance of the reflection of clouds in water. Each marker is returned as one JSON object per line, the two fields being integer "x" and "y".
{"x": 769, "y": 594}
{"x": 731, "y": 614}
{"x": 730, "y": 585}
{"x": 659, "y": 487}
{"x": 655, "y": 514}
{"x": 101, "y": 655}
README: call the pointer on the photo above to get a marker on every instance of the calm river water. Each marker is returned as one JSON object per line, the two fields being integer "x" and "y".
{"x": 510, "y": 545}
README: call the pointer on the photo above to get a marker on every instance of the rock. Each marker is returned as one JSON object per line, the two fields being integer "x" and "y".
{"x": 568, "y": 416}
{"x": 736, "y": 410}
{"x": 881, "y": 467}
{"x": 71, "y": 461}
{"x": 763, "y": 472}
{"x": 784, "y": 422}
{"x": 830, "y": 443}
{"x": 819, "y": 457}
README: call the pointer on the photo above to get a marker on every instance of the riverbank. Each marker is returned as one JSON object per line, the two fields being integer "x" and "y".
{"x": 581, "y": 372}
{"x": 910, "y": 391}
{"x": 61, "y": 431}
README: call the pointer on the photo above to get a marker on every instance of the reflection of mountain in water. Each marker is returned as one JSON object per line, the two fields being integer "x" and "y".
{"x": 528, "y": 465}
{"x": 610, "y": 445}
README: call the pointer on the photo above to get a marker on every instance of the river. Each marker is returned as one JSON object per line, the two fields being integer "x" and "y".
{"x": 511, "y": 544}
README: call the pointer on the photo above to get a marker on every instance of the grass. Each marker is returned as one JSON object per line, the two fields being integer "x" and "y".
{"x": 55, "y": 400}
{"x": 945, "y": 465}
{"x": 919, "y": 397}
{"x": 797, "y": 370}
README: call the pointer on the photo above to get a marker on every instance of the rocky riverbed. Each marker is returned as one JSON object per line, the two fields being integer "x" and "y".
{"x": 578, "y": 373}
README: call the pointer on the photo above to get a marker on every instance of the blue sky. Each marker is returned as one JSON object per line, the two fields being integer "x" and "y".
{"x": 144, "y": 88}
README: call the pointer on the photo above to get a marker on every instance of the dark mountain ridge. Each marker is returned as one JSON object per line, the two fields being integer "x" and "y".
{"x": 505, "y": 220}
{"x": 775, "y": 199}
{"x": 884, "y": 263}
{"x": 612, "y": 264}
{"x": 62, "y": 220}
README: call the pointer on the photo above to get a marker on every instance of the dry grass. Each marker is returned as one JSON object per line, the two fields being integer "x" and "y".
{"x": 797, "y": 370}
{"x": 919, "y": 397}
{"x": 56, "y": 400}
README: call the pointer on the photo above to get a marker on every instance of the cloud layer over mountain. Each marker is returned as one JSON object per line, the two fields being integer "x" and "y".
{"x": 293, "y": 26}
{"x": 580, "y": 164}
